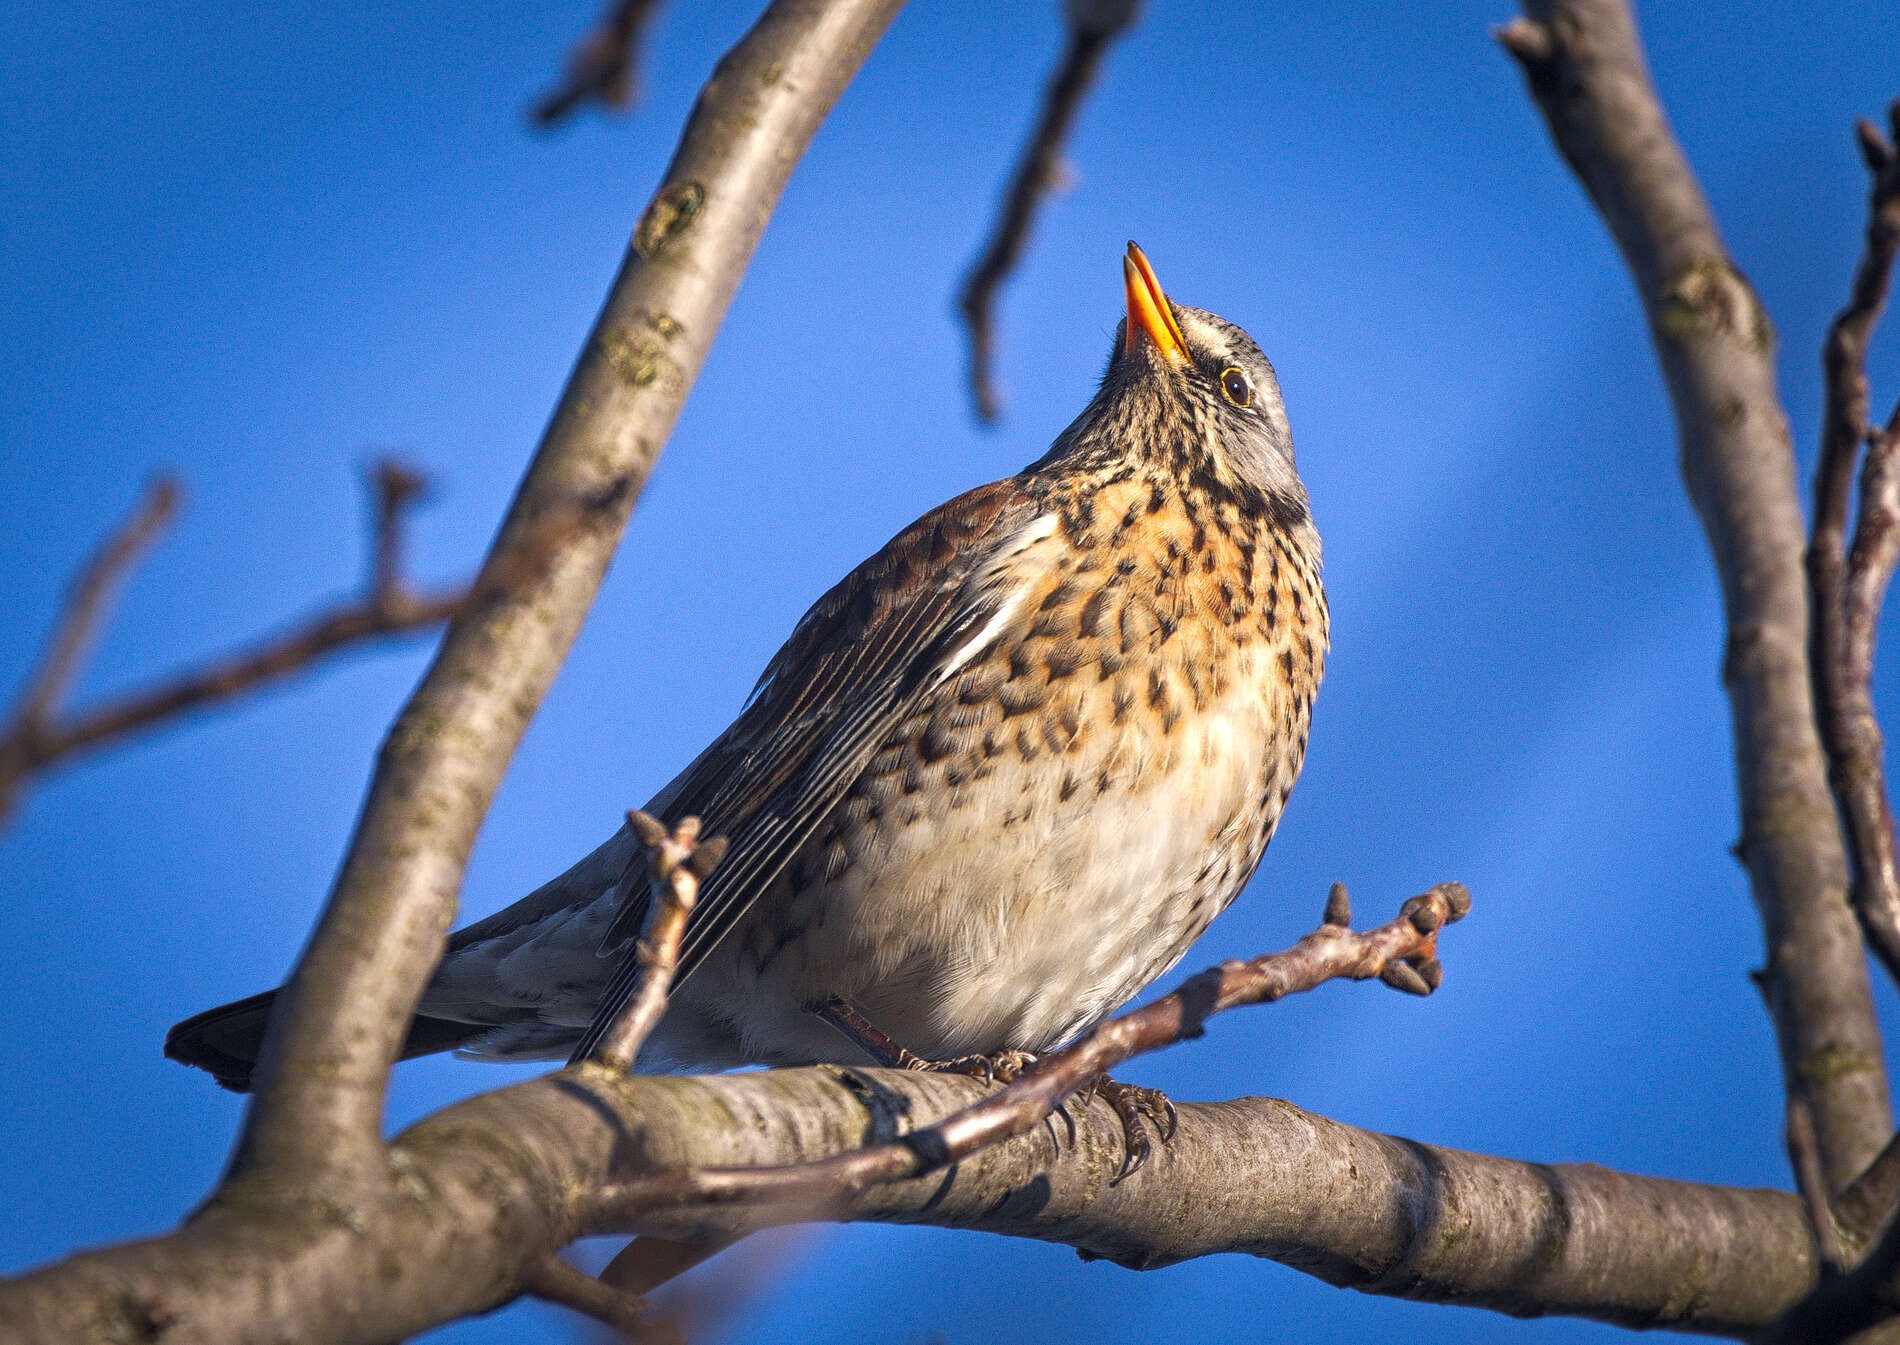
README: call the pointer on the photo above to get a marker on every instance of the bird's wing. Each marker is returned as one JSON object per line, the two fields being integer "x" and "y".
{"x": 891, "y": 630}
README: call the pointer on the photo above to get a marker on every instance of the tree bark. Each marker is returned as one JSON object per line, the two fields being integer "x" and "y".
{"x": 340, "y": 1026}
{"x": 484, "y": 1188}
{"x": 1585, "y": 67}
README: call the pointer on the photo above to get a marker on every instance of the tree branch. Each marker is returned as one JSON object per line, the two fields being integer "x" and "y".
{"x": 556, "y": 1281}
{"x": 346, "y": 1008}
{"x": 680, "y": 862}
{"x": 508, "y": 1175}
{"x": 1848, "y": 587}
{"x": 1402, "y": 952}
{"x": 1585, "y": 68}
{"x": 601, "y": 68}
{"x": 1092, "y": 26}
{"x": 37, "y": 737}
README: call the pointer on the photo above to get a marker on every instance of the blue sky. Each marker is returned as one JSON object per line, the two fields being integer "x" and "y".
{"x": 255, "y": 245}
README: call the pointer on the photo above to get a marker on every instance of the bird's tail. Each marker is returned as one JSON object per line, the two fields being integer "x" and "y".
{"x": 226, "y": 1041}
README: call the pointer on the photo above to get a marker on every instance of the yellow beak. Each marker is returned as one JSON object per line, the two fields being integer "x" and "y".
{"x": 1148, "y": 311}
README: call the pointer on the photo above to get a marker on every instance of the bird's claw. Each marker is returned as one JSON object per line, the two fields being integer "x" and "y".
{"x": 1133, "y": 1105}
{"x": 1001, "y": 1067}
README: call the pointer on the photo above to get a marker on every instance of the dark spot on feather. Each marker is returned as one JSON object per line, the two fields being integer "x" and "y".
{"x": 889, "y": 758}
{"x": 937, "y": 741}
{"x": 1023, "y": 695}
{"x": 1064, "y": 657}
{"x": 1068, "y": 788}
{"x": 1121, "y": 701}
{"x": 980, "y": 684}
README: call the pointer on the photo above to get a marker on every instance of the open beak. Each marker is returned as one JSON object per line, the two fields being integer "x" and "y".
{"x": 1148, "y": 311}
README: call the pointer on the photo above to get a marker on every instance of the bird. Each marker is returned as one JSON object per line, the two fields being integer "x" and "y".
{"x": 997, "y": 781}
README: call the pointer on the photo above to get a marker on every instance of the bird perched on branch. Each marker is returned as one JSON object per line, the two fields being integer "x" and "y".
{"x": 997, "y": 781}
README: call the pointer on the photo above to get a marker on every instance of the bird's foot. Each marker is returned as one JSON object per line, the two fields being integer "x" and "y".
{"x": 1133, "y": 1105}
{"x": 997, "y": 1067}
{"x": 847, "y": 1018}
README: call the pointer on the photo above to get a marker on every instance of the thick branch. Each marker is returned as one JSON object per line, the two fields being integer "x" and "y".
{"x": 1402, "y": 952}
{"x": 506, "y": 1176}
{"x": 1092, "y": 26}
{"x": 348, "y": 1004}
{"x": 38, "y": 736}
{"x": 1586, "y": 70}
{"x": 1848, "y": 587}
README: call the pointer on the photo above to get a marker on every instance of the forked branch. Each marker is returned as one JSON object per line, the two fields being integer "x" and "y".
{"x": 1849, "y": 582}
{"x": 679, "y": 862}
{"x": 37, "y": 735}
{"x": 1584, "y": 65}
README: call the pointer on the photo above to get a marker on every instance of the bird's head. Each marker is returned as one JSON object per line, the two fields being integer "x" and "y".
{"x": 1190, "y": 391}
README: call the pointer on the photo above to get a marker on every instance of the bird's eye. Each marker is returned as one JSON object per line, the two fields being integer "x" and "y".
{"x": 1235, "y": 387}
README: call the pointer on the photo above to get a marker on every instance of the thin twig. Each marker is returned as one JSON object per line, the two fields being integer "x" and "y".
{"x": 1092, "y": 26}
{"x": 1848, "y": 585}
{"x": 556, "y": 1281}
{"x": 86, "y": 605}
{"x": 1332, "y": 951}
{"x": 36, "y": 737}
{"x": 601, "y": 68}
{"x": 679, "y": 862}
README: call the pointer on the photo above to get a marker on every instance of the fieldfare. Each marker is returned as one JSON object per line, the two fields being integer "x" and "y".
{"x": 998, "y": 779}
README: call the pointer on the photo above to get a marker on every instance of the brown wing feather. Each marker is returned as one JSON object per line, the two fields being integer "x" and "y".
{"x": 822, "y": 707}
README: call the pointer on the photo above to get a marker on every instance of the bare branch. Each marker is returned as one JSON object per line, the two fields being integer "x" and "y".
{"x": 1585, "y": 68}
{"x": 555, "y": 1280}
{"x": 679, "y": 862}
{"x": 1255, "y": 1176}
{"x": 1848, "y": 587}
{"x": 1811, "y": 1181}
{"x": 347, "y": 1006}
{"x": 602, "y": 65}
{"x": 1842, "y": 1306}
{"x": 1861, "y": 1210}
{"x": 1092, "y": 26}
{"x": 86, "y": 605}
{"x": 36, "y": 738}
{"x": 1329, "y": 953}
